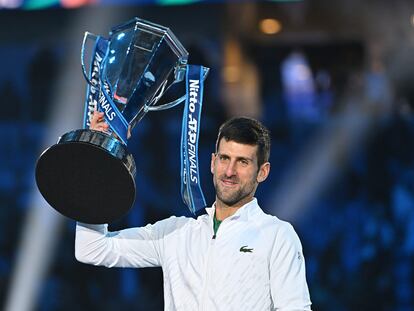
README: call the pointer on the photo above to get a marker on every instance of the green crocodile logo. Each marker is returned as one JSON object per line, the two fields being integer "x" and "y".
{"x": 244, "y": 249}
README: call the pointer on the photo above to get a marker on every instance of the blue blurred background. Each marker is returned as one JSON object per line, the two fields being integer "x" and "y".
{"x": 333, "y": 81}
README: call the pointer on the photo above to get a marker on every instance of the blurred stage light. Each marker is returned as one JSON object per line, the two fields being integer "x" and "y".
{"x": 176, "y": 2}
{"x": 10, "y": 4}
{"x": 71, "y": 4}
{"x": 39, "y": 4}
{"x": 297, "y": 76}
{"x": 412, "y": 20}
{"x": 231, "y": 74}
{"x": 270, "y": 26}
{"x": 233, "y": 62}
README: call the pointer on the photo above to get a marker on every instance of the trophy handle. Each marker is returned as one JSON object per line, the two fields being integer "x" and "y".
{"x": 165, "y": 106}
{"x": 86, "y": 36}
{"x": 179, "y": 78}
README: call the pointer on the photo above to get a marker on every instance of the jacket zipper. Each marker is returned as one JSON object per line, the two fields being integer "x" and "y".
{"x": 207, "y": 273}
{"x": 208, "y": 268}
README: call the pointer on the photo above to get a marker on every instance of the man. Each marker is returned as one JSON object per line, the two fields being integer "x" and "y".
{"x": 235, "y": 257}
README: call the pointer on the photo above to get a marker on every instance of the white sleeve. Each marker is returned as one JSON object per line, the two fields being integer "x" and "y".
{"x": 134, "y": 247}
{"x": 289, "y": 289}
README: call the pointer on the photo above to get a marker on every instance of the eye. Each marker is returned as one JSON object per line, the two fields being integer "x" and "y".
{"x": 244, "y": 162}
{"x": 223, "y": 157}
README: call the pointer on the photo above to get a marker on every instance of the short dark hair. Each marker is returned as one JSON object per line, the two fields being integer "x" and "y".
{"x": 247, "y": 131}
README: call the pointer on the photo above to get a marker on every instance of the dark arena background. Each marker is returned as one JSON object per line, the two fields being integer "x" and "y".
{"x": 333, "y": 81}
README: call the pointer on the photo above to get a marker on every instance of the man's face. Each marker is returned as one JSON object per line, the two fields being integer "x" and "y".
{"x": 235, "y": 173}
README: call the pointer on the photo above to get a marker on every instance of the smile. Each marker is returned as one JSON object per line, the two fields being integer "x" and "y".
{"x": 228, "y": 183}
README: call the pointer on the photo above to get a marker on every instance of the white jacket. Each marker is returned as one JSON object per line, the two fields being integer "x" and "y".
{"x": 255, "y": 262}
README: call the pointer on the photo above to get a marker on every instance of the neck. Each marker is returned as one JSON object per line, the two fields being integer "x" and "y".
{"x": 223, "y": 210}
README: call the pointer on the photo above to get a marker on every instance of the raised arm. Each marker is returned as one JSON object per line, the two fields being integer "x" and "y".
{"x": 135, "y": 247}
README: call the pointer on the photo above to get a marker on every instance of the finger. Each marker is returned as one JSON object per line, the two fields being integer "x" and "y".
{"x": 100, "y": 116}
{"x": 97, "y": 116}
{"x": 94, "y": 119}
{"x": 95, "y": 125}
{"x": 103, "y": 127}
{"x": 100, "y": 128}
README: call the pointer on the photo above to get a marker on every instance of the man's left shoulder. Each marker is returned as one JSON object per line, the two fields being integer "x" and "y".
{"x": 270, "y": 221}
{"x": 275, "y": 226}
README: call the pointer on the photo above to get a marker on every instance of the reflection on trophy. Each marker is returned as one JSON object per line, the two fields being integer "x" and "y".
{"x": 89, "y": 175}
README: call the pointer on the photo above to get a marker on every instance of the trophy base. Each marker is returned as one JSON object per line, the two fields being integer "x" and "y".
{"x": 87, "y": 176}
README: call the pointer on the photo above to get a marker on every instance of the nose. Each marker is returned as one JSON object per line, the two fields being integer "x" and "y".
{"x": 231, "y": 169}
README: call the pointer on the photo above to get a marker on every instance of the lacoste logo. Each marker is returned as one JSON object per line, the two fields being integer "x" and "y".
{"x": 244, "y": 249}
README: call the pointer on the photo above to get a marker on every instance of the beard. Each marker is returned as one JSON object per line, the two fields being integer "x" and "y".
{"x": 231, "y": 197}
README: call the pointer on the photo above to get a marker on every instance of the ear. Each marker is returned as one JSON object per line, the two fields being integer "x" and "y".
{"x": 213, "y": 158}
{"x": 263, "y": 172}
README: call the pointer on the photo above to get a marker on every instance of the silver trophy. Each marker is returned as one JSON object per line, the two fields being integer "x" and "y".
{"x": 89, "y": 175}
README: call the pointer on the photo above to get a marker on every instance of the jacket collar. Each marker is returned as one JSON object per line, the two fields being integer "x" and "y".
{"x": 242, "y": 213}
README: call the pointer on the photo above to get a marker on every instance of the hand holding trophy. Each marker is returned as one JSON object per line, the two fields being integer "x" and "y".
{"x": 98, "y": 123}
{"x": 88, "y": 175}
